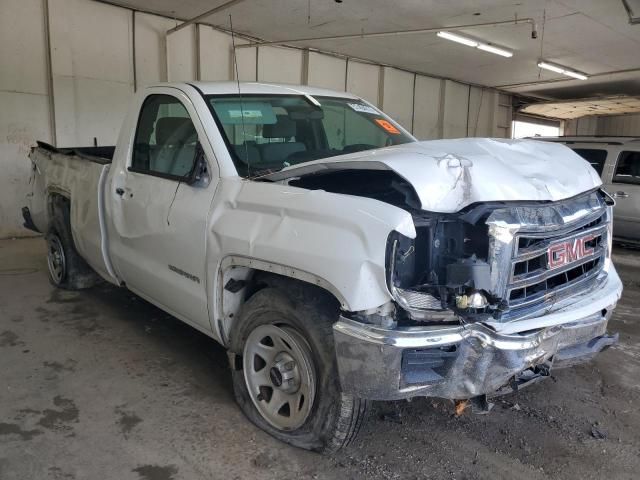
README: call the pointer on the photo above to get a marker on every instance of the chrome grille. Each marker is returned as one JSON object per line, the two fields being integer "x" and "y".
{"x": 520, "y": 243}
{"x": 532, "y": 280}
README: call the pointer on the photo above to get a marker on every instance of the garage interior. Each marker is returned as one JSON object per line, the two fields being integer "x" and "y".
{"x": 101, "y": 384}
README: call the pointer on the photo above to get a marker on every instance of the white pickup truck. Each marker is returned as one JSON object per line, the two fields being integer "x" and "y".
{"x": 338, "y": 259}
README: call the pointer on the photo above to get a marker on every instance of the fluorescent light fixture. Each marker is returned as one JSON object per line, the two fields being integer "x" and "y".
{"x": 548, "y": 66}
{"x": 498, "y": 51}
{"x": 562, "y": 70}
{"x": 577, "y": 75}
{"x": 458, "y": 38}
{"x": 470, "y": 42}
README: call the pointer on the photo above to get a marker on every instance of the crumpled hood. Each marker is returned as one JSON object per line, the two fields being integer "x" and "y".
{"x": 449, "y": 175}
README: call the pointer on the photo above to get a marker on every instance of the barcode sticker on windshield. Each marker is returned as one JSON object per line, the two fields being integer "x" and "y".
{"x": 358, "y": 107}
{"x": 245, "y": 113}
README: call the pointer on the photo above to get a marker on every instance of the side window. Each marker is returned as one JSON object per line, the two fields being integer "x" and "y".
{"x": 165, "y": 141}
{"x": 628, "y": 168}
{"x": 594, "y": 156}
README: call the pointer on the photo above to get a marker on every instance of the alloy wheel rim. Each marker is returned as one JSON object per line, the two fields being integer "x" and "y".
{"x": 55, "y": 259}
{"x": 279, "y": 374}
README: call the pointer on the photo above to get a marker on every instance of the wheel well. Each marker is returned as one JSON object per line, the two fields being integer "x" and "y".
{"x": 238, "y": 284}
{"x": 57, "y": 205}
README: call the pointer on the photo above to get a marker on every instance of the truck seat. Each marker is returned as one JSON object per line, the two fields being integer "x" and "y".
{"x": 176, "y": 139}
{"x": 275, "y": 153}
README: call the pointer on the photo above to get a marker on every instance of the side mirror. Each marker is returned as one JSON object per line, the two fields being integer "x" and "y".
{"x": 199, "y": 174}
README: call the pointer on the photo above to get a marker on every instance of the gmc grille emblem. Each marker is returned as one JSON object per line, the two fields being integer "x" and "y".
{"x": 563, "y": 253}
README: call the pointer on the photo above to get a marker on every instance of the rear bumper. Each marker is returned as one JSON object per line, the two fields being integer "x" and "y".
{"x": 466, "y": 361}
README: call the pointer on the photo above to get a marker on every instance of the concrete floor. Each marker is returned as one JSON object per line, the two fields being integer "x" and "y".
{"x": 101, "y": 385}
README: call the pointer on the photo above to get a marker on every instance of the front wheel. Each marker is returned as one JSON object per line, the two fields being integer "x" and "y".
{"x": 287, "y": 382}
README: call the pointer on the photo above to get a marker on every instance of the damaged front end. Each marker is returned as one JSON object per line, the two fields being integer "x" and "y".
{"x": 486, "y": 301}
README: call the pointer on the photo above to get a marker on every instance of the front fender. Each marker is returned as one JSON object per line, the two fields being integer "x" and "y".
{"x": 337, "y": 240}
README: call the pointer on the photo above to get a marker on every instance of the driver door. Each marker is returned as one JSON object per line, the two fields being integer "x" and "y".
{"x": 160, "y": 220}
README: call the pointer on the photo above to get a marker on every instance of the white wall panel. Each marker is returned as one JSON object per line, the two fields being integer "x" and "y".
{"x": 181, "y": 55}
{"x": 246, "y": 68}
{"x": 24, "y": 104}
{"x": 481, "y": 110}
{"x": 92, "y": 84}
{"x": 503, "y": 115}
{"x": 587, "y": 126}
{"x": 151, "y": 55}
{"x": 216, "y": 54}
{"x": 397, "y": 96}
{"x": 427, "y": 122}
{"x": 23, "y": 65}
{"x": 282, "y": 65}
{"x": 326, "y": 71}
{"x": 19, "y": 130}
{"x": 363, "y": 80}
{"x": 456, "y": 104}
{"x": 91, "y": 109}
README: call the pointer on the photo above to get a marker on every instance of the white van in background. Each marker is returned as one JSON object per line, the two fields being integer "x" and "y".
{"x": 617, "y": 161}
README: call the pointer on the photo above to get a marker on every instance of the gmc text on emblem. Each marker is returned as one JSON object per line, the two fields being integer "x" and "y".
{"x": 563, "y": 253}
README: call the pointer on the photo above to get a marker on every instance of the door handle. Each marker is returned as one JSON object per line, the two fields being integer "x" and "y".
{"x": 120, "y": 191}
{"x": 620, "y": 195}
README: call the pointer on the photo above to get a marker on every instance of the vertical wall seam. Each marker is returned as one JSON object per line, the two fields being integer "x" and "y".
{"x": 413, "y": 104}
{"x": 381, "y": 73}
{"x": 492, "y": 117}
{"x": 133, "y": 50}
{"x": 305, "y": 67}
{"x": 257, "y": 54}
{"x": 52, "y": 105}
{"x": 166, "y": 57}
{"x": 466, "y": 134}
{"x": 441, "y": 107}
{"x": 197, "y": 52}
{"x": 346, "y": 75}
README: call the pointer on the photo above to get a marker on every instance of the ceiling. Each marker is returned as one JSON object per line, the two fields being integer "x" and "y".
{"x": 582, "y": 108}
{"x": 590, "y": 36}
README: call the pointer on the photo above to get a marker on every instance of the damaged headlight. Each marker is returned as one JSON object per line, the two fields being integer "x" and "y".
{"x": 440, "y": 273}
{"x": 610, "y": 202}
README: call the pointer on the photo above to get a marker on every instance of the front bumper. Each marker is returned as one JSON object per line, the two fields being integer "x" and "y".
{"x": 474, "y": 359}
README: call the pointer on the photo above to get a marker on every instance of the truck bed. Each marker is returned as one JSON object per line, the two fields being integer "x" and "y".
{"x": 77, "y": 174}
{"x": 102, "y": 155}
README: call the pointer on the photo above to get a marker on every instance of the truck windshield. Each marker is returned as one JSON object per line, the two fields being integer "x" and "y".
{"x": 265, "y": 133}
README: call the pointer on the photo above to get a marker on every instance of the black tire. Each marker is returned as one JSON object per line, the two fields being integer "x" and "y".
{"x": 335, "y": 417}
{"x": 74, "y": 273}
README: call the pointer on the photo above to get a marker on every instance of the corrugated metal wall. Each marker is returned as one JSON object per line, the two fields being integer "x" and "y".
{"x": 619, "y": 125}
{"x": 614, "y": 125}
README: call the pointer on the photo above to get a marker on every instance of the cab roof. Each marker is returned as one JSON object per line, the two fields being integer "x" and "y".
{"x": 229, "y": 88}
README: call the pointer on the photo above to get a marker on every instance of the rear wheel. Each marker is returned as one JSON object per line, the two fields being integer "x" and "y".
{"x": 67, "y": 269}
{"x": 56, "y": 260}
{"x": 287, "y": 380}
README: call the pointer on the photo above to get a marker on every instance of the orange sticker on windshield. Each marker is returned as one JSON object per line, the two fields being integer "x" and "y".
{"x": 387, "y": 126}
